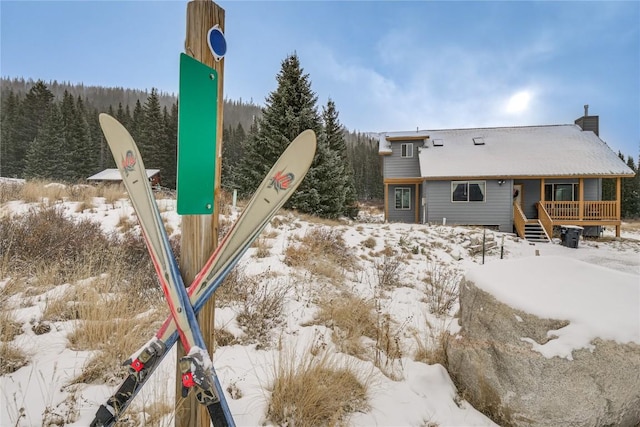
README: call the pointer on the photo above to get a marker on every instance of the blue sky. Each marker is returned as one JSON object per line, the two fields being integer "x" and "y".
{"x": 388, "y": 66}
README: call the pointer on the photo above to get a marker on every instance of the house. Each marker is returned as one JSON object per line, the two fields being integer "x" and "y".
{"x": 113, "y": 176}
{"x": 526, "y": 179}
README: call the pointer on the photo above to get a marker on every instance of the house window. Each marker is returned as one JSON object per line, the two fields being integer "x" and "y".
{"x": 468, "y": 191}
{"x": 561, "y": 192}
{"x": 406, "y": 150}
{"x": 403, "y": 198}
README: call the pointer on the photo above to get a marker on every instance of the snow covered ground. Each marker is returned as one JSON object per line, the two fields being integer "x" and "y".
{"x": 418, "y": 395}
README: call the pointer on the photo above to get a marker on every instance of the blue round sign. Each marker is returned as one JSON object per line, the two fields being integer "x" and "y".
{"x": 217, "y": 42}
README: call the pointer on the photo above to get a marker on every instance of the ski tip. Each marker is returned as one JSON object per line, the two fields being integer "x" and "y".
{"x": 105, "y": 118}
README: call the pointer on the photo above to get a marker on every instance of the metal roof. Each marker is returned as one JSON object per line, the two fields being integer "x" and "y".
{"x": 555, "y": 150}
{"x": 114, "y": 175}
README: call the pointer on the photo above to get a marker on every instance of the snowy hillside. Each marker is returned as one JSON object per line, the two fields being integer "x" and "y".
{"x": 282, "y": 305}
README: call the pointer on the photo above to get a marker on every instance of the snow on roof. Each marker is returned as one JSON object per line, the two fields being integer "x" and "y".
{"x": 114, "y": 175}
{"x": 555, "y": 150}
{"x": 597, "y": 301}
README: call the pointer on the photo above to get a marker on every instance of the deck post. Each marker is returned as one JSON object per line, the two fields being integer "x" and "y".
{"x": 581, "y": 200}
{"x": 618, "y": 205}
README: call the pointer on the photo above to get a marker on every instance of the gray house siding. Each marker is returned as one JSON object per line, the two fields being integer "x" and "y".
{"x": 530, "y": 196}
{"x": 396, "y": 166}
{"x": 496, "y": 210}
{"x": 402, "y": 215}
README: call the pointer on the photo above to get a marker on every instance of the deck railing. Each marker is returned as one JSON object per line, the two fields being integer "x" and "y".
{"x": 545, "y": 219}
{"x": 591, "y": 210}
{"x": 519, "y": 219}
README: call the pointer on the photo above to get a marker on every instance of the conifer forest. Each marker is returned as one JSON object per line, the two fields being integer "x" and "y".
{"x": 50, "y": 130}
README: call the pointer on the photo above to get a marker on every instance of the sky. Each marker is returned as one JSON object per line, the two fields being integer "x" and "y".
{"x": 387, "y": 65}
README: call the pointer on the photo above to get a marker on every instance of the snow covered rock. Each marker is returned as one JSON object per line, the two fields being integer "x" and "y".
{"x": 549, "y": 341}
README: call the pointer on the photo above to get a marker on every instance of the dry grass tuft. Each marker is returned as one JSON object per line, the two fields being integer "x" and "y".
{"x": 262, "y": 248}
{"x": 322, "y": 251}
{"x": 13, "y": 358}
{"x": 434, "y": 349}
{"x": 351, "y": 318}
{"x": 314, "y": 391}
{"x": 9, "y": 327}
{"x": 10, "y": 191}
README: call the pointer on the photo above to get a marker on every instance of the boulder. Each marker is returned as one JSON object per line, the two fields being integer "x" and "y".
{"x": 547, "y": 341}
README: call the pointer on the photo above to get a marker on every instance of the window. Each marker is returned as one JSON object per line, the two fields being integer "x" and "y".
{"x": 406, "y": 150}
{"x": 468, "y": 191}
{"x": 403, "y": 198}
{"x": 561, "y": 192}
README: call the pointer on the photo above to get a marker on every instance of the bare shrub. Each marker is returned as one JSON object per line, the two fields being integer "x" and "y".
{"x": 261, "y": 310}
{"x": 388, "y": 270}
{"x": 309, "y": 390}
{"x": 442, "y": 288}
{"x": 46, "y": 236}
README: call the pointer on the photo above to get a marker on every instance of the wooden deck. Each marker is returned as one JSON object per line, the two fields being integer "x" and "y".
{"x": 581, "y": 213}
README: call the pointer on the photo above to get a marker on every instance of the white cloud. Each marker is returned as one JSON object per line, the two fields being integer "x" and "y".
{"x": 518, "y": 103}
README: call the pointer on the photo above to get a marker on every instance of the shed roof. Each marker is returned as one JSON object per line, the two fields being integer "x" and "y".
{"x": 114, "y": 175}
{"x": 555, "y": 150}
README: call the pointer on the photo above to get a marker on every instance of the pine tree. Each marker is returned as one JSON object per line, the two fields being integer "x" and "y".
{"x": 289, "y": 110}
{"x": 630, "y": 203}
{"x": 334, "y": 132}
{"x": 152, "y": 139}
{"x": 46, "y": 156}
{"x": 233, "y": 141}
{"x": 9, "y": 139}
{"x": 33, "y": 112}
{"x": 169, "y": 153}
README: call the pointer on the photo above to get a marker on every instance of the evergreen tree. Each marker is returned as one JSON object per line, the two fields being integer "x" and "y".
{"x": 152, "y": 139}
{"x": 630, "y": 203}
{"x": 46, "y": 156}
{"x": 32, "y": 116}
{"x": 9, "y": 138}
{"x": 334, "y": 133}
{"x": 169, "y": 153}
{"x": 232, "y": 151}
{"x": 289, "y": 110}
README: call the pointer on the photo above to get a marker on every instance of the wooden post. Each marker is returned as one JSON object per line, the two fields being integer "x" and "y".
{"x": 581, "y": 199}
{"x": 618, "y": 204}
{"x": 200, "y": 232}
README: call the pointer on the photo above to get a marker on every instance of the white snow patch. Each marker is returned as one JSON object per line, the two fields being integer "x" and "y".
{"x": 597, "y": 301}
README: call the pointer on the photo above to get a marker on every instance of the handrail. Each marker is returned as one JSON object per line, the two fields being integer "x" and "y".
{"x": 545, "y": 219}
{"x": 519, "y": 219}
{"x": 592, "y": 210}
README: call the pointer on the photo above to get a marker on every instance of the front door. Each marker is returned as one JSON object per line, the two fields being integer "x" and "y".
{"x": 517, "y": 195}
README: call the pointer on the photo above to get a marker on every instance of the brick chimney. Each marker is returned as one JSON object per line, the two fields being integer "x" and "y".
{"x": 588, "y": 122}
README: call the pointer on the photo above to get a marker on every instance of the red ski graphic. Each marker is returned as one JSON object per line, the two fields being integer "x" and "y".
{"x": 281, "y": 181}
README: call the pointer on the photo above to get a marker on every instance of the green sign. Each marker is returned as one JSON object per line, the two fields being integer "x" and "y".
{"x": 197, "y": 128}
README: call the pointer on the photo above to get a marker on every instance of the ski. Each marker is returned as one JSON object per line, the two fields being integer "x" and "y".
{"x": 134, "y": 177}
{"x": 281, "y": 181}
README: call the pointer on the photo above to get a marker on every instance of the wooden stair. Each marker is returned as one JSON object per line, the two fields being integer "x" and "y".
{"x": 534, "y": 232}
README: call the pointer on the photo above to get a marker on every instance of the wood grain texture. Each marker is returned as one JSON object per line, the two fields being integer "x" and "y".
{"x": 200, "y": 232}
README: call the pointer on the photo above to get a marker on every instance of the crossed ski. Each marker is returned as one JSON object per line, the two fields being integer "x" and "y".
{"x": 196, "y": 367}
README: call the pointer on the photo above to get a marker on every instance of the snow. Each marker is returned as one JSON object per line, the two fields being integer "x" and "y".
{"x": 588, "y": 284}
{"x": 597, "y": 301}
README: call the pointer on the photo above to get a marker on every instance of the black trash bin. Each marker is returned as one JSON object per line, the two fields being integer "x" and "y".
{"x": 570, "y": 236}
